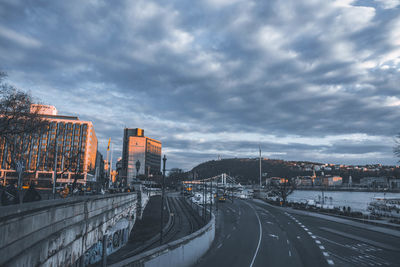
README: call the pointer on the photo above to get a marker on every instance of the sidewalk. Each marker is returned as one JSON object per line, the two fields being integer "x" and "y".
{"x": 350, "y": 222}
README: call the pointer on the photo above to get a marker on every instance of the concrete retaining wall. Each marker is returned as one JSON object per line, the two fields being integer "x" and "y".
{"x": 179, "y": 253}
{"x": 59, "y": 232}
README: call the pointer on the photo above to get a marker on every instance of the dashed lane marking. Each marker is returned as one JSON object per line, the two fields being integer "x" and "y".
{"x": 290, "y": 253}
{"x": 220, "y": 245}
{"x": 274, "y": 236}
{"x": 326, "y": 254}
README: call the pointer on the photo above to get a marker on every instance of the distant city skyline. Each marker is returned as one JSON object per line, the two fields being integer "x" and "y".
{"x": 305, "y": 80}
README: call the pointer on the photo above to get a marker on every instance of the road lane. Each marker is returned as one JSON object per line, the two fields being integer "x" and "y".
{"x": 288, "y": 243}
{"x": 291, "y": 239}
{"x": 260, "y": 232}
{"x": 343, "y": 244}
{"x": 236, "y": 238}
{"x": 354, "y": 246}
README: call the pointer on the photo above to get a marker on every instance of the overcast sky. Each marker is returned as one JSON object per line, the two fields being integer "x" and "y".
{"x": 311, "y": 80}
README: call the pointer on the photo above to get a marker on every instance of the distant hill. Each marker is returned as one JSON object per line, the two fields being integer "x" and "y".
{"x": 246, "y": 170}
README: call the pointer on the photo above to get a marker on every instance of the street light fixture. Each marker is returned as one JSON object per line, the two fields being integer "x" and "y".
{"x": 162, "y": 200}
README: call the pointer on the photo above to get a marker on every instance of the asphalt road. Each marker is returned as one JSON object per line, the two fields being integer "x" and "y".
{"x": 251, "y": 233}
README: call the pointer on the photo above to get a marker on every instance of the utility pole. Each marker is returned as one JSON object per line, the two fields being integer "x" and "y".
{"x": 260, "y": 168}
{"x": 162, "y": 200}
{"x": 55, "y": 162}
{"x": 204, "y": 200}
{"x": 212, "y": 197}
{"x": 111, "y": 156}
{"x": 216, "y": 204}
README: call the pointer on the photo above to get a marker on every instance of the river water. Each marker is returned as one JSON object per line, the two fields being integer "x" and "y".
{"x": 357, "y": 201}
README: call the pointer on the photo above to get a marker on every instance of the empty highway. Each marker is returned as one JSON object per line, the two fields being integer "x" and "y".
{"x": 253, "y": 233}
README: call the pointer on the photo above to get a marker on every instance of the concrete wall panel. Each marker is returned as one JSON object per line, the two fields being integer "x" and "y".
{"x": 59, "y": 232}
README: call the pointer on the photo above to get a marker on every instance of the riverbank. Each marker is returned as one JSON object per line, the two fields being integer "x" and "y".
{"x": 357, "y": 201}
{"x": 342, "y": 213}
{"x": 349, "y": 189}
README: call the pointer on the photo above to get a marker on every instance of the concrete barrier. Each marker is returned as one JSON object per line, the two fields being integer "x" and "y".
{"x": 60, "y": 232}
{"x": 179, "y": 253}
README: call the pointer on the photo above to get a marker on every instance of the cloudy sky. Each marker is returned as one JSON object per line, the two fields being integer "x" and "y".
{"x": 307, "y": 80}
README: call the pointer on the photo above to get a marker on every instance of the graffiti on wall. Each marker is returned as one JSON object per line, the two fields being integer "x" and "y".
{"x": 116, "y": 238}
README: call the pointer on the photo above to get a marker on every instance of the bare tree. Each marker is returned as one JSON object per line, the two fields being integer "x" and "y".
{"x": 283, "y": 188}
{"x": 20, "y": 127}
{"x": 71, "y": 158}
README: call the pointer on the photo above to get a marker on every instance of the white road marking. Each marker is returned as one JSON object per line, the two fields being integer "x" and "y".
{"x": 274, "y": 236}
{"x": 228, "y": 236}
{"x": 361, "y": 239}
{"x": 298, "y": 237}
{"x": 330, "y": 262}
{"x": 259, "y": 238}
{"x": 220, "y": 245}
{"x": 317, "y": 241}
{"x": 326, "y": 254}
{"x": 269, "y": 222}
{"x": 313, "y": 236}
{"x": 305, "y": 229}
{"x": 322, "y": 247}
{"x": 309, "y": 233}
{"x": 287, "y": 241}
{"x": 290, "y": 253}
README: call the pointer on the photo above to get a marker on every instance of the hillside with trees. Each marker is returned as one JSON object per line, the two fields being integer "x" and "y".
{"x": 246, "y": 170}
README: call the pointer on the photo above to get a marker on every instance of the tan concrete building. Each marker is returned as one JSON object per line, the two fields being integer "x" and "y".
{"x": 76, "y": 150}
{"x": 139, "y": 152}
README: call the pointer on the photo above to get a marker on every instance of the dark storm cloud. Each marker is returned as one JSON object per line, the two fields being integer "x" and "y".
{"x": 310, "y": 73}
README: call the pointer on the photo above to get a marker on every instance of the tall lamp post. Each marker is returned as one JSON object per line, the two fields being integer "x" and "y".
{"x": 137, "y": 168}
{"x": 162, "y": 200}
{"x": 260, "y": 168}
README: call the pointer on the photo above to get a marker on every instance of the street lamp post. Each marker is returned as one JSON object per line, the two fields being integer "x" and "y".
{"x": 260, "y": 170}
{"x": 55, "y": 163}
{"x": 162, "y": 200}
{"x": 137, "y": 169}
{"x": 212, "y": 197}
